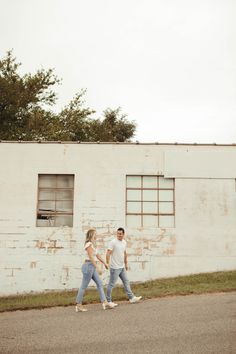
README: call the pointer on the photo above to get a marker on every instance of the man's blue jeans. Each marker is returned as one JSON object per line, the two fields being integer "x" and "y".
{"x": 114, "y": 274}
{"x": 89, "y": 272}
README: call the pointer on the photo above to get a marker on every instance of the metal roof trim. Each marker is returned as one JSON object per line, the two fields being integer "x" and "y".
{"x": 112, "y": 143}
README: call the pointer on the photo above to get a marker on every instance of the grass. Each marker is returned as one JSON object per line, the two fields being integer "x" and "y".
{"x": 183, "y": 285}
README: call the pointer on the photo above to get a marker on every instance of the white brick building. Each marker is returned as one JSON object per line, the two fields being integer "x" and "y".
{"x": 177, "y": 203}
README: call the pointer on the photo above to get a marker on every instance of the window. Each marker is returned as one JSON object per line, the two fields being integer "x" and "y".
{"x": 149, "y": 201}
{"x": 55, "y": 200}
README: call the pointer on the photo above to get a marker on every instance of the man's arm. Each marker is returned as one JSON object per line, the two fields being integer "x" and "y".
{"x": 108, "y": 255}
{"x": 126, "y": 260}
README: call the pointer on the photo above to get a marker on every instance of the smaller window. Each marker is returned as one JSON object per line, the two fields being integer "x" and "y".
{"x": 55, "y": 200}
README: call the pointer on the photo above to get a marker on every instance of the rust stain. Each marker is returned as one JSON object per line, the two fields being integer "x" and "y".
{"x": 173, "y": 240}
{"x": 129, "y": 244}
{"x": 53, "y": 248}
{"x": 66, "y": 270}
{"x": 146, "y": 244}
{"x": 12, "y": 271}
{"x": 40, "y": 244}
{"x": 169, "y": 251}
{"x": 162, "y": 235}
{"x": 50, "y": 246}
{"x": 138, "y": 251}
{"x": 33, "y": 264}
{"x": 143, "y": 264}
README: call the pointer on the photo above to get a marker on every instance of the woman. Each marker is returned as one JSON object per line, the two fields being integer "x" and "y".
{"x": 90, "y": 271}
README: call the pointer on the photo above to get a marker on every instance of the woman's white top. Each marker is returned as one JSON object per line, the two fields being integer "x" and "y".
{"x": 95, "y": 252}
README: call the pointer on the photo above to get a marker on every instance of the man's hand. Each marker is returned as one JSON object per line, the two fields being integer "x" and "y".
{"x": 106, "y": 266}
{"x": 126, "y": 266}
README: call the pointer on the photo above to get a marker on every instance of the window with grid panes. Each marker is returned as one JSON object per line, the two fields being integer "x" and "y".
{"x": 150, "y": 201}
{"x": 55, "y": 200}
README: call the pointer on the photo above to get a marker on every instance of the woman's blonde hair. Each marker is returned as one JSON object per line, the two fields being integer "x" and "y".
{"x": 89, "y": 235}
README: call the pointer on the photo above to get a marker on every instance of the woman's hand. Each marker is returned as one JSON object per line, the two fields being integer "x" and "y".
{"x": 106, "y": 265}
{"x": 99, "y": 270}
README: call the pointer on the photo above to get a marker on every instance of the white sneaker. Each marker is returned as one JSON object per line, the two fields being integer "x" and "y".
{"x": 108, "y": 305}
{"x": 135, "y": 299}
{"x": 113, "y": 304}
{"x": 80, "y": 308}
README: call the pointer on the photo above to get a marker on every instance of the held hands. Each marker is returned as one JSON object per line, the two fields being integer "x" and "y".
{"x": 99, "y": 270}
{"x": 106, "y": 265}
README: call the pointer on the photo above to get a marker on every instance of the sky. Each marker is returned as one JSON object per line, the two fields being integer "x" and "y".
{"x": 169, "y": 64}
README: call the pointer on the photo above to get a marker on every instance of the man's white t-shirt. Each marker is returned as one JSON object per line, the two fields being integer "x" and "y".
{"x": 117, "y": 257}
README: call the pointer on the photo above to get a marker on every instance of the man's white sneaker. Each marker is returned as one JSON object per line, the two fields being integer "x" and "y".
{"x": 113, "y": 304}
{"x": 135, "y": 299}
{"x": 108, "y": 305}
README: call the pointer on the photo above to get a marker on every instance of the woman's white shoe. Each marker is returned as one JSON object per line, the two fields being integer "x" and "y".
{"x": 80, "y": 308}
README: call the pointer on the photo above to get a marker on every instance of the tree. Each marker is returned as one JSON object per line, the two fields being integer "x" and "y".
{"x": 77, "y": 124}
{"x": 22, "y": 99}
{"x": 74, "y": 120}
{"x": 25, "y": 113}
{"x": 113, "y": 127}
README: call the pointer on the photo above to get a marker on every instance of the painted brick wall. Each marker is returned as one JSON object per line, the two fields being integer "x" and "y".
{"x": 44, "y": 258}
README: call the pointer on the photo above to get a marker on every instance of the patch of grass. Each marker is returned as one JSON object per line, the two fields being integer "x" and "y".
{"x": 183, "y": 285}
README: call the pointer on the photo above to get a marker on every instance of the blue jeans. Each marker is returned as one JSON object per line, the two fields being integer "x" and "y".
{"x": 114, "y": 274}
{"x": 89, "y": 272}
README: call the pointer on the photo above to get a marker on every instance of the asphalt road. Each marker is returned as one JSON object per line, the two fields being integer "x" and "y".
{"x": 183, "y": 324}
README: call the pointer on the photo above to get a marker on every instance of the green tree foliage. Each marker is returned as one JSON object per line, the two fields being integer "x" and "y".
{"x": 22, "y": 100}
{"x": 114, "y": 126}
{"x": 26, "y": 114}
{"x": 74, "y": 120}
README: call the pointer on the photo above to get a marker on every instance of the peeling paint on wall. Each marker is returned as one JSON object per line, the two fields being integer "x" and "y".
{"x": 50, "y": 246}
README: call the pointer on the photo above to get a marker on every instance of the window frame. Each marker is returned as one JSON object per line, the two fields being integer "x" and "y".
{"x": 142, "y": 201}
{"x": 54, "y": 189}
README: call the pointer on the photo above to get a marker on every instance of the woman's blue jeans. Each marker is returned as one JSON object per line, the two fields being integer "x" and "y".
{"x": 114, "y": 274}
{"x": 89, "y": 272}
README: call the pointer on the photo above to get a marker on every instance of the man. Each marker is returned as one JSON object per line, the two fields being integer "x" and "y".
{"x": 116, "y": 258}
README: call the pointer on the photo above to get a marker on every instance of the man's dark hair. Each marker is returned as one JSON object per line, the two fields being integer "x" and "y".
{"x": 121, "y": 229}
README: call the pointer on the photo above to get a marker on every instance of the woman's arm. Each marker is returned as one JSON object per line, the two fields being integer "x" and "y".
{"x": 101, "y": 260}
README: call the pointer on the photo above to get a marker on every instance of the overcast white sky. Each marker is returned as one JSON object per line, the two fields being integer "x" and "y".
{"x": 169, "y": 64}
